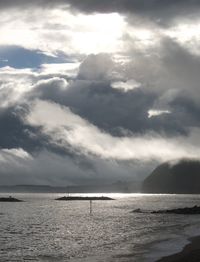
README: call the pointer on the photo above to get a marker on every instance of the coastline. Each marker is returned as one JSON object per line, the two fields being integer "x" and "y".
{"x": 191, "y": 252}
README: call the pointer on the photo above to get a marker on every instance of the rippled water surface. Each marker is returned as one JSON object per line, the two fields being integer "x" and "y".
{"x": 42, "y": 229}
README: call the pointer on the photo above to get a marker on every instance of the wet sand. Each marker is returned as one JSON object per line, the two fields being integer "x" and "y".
{"x": 190, "y": 253}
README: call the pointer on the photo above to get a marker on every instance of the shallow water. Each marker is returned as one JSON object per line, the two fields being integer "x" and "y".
{"x": 41, "y": 229}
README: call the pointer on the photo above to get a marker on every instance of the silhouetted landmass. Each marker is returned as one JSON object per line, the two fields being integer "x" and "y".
{"x": 117, "y": 187}
{"x": 72, "y": 198}
{"x": 195, "y": 210}
{"x": 179, "y": 178}
{"x": 9, "y": 199}
{"x": 32, "y": 189}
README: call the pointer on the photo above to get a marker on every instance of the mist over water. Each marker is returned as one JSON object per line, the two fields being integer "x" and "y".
{"x": 41, "y": 229}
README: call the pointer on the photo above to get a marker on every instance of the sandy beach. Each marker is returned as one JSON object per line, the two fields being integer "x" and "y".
{"x": 190, "y": 253}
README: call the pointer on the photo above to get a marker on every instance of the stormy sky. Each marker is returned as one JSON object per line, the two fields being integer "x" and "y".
{"x": 95, "y": 91}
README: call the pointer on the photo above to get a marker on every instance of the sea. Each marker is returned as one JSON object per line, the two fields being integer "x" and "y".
{"x": 45, "y": 230}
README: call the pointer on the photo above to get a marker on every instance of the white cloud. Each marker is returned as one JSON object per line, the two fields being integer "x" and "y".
{"x": 47, "y": 168}
{"x": 57, "y": 29}
{"x": 187, "y": 34}
{"x": 17, "y": 84}
{"x": 96, "y": 67}
{"x": 126, "y": 85}
{"x": 67, "y": 129}
{"x": 13, "y": 158}
{"x": 141, "y": 58}
{"x": 19, "y": 153}
{"x": 69, "y": 69}
{"x": 19, "y": 167}
{"x": 14, "y": 84}
{"x": 55, "y": 82}
{"x": 155, "y": 112}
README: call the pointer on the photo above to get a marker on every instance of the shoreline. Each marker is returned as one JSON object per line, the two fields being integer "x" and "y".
{"x": 191, "y": 252}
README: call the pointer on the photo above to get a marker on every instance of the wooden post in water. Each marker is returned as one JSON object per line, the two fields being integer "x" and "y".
{"x": 90, "y": 207}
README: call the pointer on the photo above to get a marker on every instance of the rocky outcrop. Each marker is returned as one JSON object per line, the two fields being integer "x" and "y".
{"x": 184, "y": 211}
{"x": 195, "y": 210}
{"x": 9, "y": 199}
{"x": 72, "y": 198}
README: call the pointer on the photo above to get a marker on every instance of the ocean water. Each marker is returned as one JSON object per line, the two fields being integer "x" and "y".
{"x": 41, "y": 229}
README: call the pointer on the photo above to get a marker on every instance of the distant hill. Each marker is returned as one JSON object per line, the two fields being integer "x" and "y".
{"x": 32, "y": 189}
{"x": 118, "y": 187}
{"x": 180, "y": 178}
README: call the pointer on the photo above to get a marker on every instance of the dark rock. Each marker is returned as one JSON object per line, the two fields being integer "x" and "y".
{"x": 9, "y": 199}
{"x": 137, "y": 210}
{"x": 195, "y": 210}
{"x": 72, "y": 198}
{"x": 184, "y": 211}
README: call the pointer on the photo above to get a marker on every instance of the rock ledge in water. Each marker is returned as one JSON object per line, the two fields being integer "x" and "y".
{"x": 72, "y": 198}
{"x": 9, "y": 199}
{"x": 195, "y": 210}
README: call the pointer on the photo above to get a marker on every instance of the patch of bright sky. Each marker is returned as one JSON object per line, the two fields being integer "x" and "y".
{"x": 126, "y": 86}
{"x": 75, "y": 33}
{"x": 61, "y": 30}
{"x": 72, "y": 33}
{"x": 70, "y": 69}
{"x": 187, "y": 34}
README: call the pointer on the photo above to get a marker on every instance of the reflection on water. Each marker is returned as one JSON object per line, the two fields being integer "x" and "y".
{"x": 41, "y": 229}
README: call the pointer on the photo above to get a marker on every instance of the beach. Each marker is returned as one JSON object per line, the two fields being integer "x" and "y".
{"x": 190, "y": 253}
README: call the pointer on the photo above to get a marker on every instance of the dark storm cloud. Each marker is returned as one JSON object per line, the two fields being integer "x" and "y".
{"x": 167, "y": 80}
{"x": 21, "y": 3}
{"x": 172, "y": 85}
{"x": 183, "y": 66}
{"x": 117, "y": 112}
{"x": 107, "y": 108}
{"x": 96, "y": 100}
{"x": 47, "y": 164}
{"x": 158, "y": 10}
{"x": 121, "y": 113}
{"x": 48, "y": 168}
{"x": 187, "y": 111}
{"x": 15, "y": 134}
